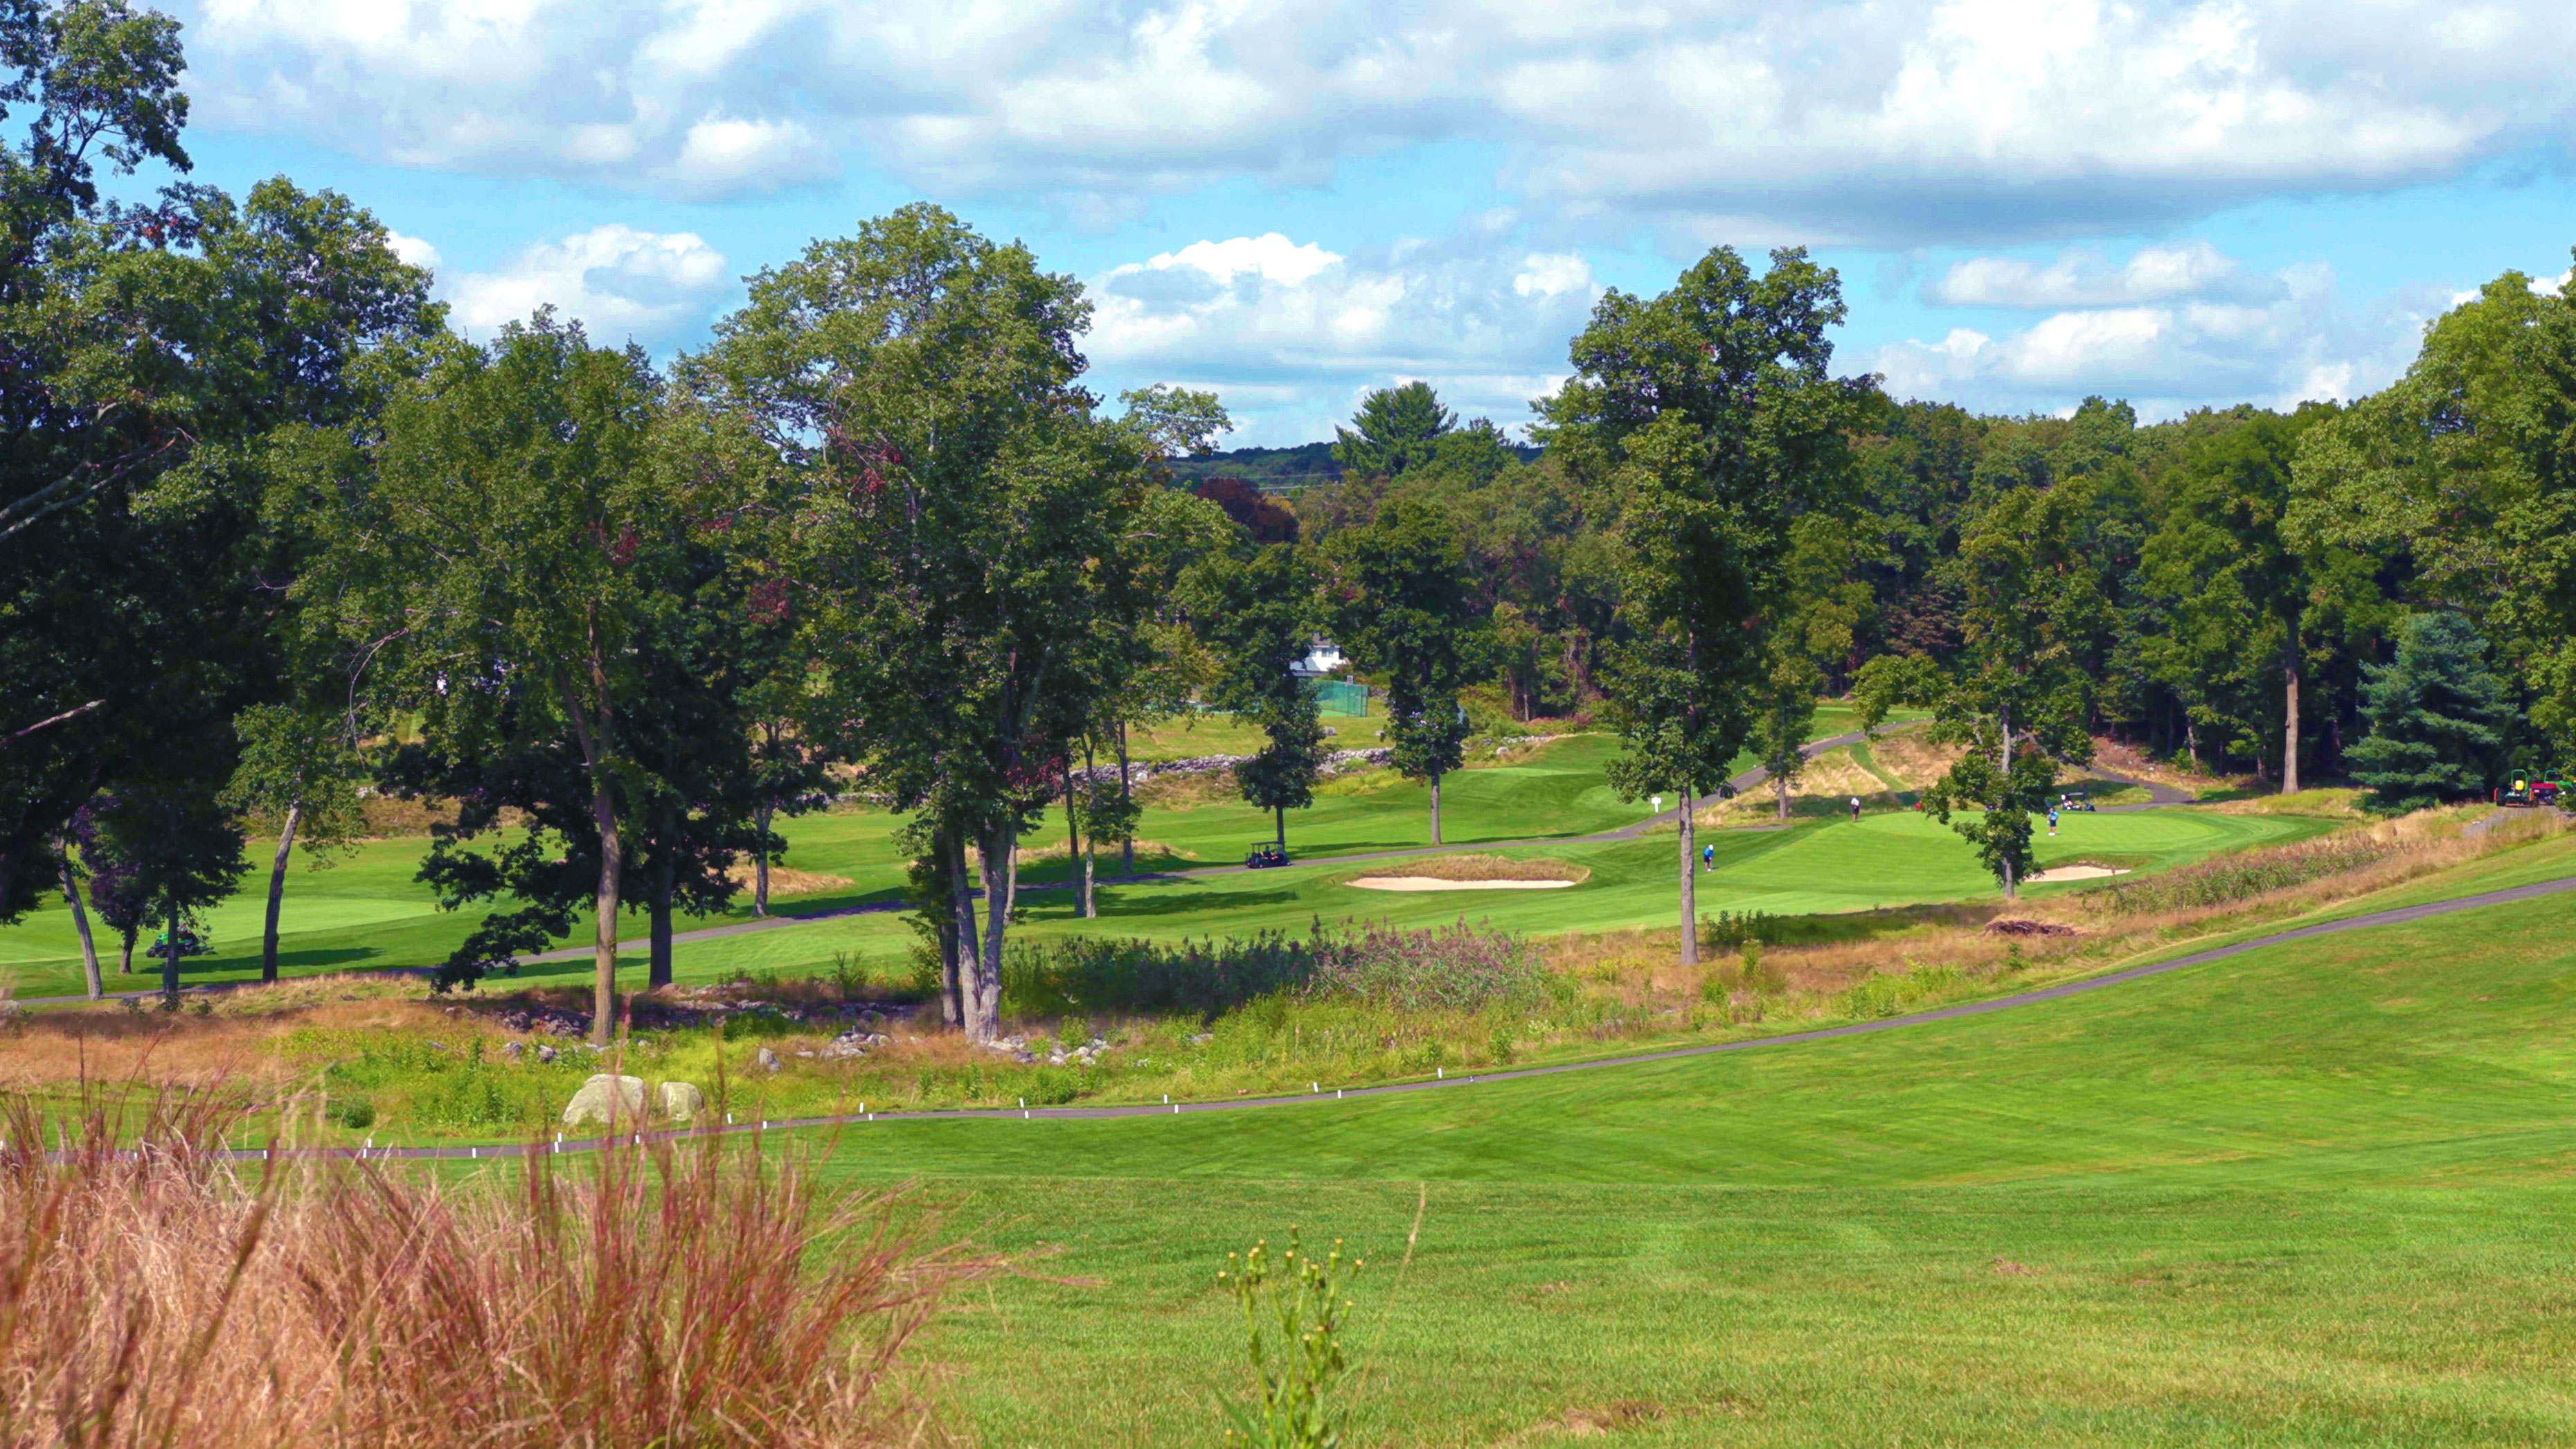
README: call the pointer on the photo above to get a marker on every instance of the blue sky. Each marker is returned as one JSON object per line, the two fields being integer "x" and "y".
{"x": 2029, "y": 200}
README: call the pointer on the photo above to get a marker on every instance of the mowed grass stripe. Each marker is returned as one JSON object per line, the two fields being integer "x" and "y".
{"x": 2388, "y": 1054}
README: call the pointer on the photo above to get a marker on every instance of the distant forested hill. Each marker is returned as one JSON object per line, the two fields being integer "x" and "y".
{"x": 1277, "y": 468}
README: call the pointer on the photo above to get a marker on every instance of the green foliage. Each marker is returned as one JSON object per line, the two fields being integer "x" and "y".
{"x": 1260, "y": 614}
{"x": 965, "y": 527}
{"x": 152, "y": 347}
{"x": 1396, "y": 429}
{"x": 1709, "y": 425}
{"x": 1175, "y": 422}
{"x": 2459, "y": 471}
{"x": 1296, "y": 1312}
{"x": 2438, "y": 716}
{"x": 1404, "y": 610}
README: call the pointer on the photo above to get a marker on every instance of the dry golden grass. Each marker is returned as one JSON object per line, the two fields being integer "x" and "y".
{"x": 786, "y": 880}
{"x": 1107, "y": 855}
{"x": 1481, "y": 867}
{"x": 1913, "y": 760}
{"x": 2122, "y": 758}
{"x": 699, "y": 1294}
{"x": 1822, "y": 788}
{"x": 237, "y": 1038}
{"x": 1178, "y": 791}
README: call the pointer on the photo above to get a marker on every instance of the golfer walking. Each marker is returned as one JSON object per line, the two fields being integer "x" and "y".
{"x": 1855, "y": 809}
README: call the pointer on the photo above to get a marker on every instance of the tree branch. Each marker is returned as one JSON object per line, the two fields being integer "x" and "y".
{"x": 69, "y": 714}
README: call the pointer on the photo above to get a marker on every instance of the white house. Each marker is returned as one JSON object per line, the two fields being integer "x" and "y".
{"x": 1322, "y": 658}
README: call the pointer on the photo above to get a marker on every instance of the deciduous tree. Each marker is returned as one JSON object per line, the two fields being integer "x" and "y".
{"x": 1708, "y": 423}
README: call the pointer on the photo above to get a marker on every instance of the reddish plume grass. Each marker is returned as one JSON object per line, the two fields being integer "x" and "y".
{"x": 705, "y": 1293}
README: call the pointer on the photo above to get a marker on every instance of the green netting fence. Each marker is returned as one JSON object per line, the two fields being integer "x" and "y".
{"x": 1340, "y": 696}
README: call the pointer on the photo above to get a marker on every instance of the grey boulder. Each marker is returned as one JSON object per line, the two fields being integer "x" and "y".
{"x": 602, "y": 1095}
{"x": 682, "y": 1101}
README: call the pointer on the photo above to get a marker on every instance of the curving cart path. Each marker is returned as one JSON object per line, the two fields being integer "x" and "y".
{"x": 2396, "y": 916}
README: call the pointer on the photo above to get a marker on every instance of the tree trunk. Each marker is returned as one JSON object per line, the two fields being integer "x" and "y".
{"x": 1279, "y": 816}
{"x": 659, "y": 972}
{"x": 1000, "y": 849}
{"x": 2003, "y": 747}
{"x": 1690, "y": 880}
{"x": 2290, "y": 731}
{"x": 1077, "y": 864}
{"x": 1780, "y": 787}
{"x": 80, "y": 921}
{"x": 957, "y": 938}
{"x": 170, "y": 958}
{"x": 2191, "y": 738}
{"x": 603, "y": 815}
{"x": 760, "y": 860}
{"x": 2009, "y": 882}
{"x": 603, "y": 954}
{"x": 277, "y": 895}
{"x": 1126, "y": 807}
{"x": 1435, "y": 807}
{"x": 125, "y": 957}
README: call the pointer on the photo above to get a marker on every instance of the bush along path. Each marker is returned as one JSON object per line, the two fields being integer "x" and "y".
{"x": 640, "y": 1136}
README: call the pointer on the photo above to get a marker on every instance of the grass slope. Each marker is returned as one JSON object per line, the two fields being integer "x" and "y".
{"x": 2315, "y": 1195}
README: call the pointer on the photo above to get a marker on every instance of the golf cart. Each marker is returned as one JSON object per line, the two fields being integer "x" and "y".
{"x": 190, "y": 944}
{"x": 2529, "y": 791}
{"x": 2073, "y": 800}
{"x": 1264, "y": 856}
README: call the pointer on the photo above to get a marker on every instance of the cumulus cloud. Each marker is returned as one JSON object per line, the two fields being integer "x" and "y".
{"x": 2083, "y": 277}
{"x": 1290, "y": 334}
{"x": 2304, "y": 342}
{"x": 621, "y": 283}
{"x": 1858, "y": 121}
{"x": 413, "y": 251}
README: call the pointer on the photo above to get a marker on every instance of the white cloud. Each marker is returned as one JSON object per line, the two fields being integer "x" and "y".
{"x": 1290, "y": 333}
{"x": 412, "y": 250}
{"x": 621, "y": 283}
{"x": 2305, "y": 343}
{"x": 2082, "y": 277}
{"x": 1850, "y": 120}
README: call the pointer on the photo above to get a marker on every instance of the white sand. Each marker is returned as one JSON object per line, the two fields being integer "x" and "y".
{"x": 2077, "y": 872}
{"x": 1430, "y": 883}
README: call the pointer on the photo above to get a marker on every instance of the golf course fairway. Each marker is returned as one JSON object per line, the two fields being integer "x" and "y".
{"x": 2316, "y": 1194}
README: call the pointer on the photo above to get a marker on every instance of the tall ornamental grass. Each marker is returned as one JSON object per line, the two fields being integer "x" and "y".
{"x": 2228, "y": 879}
{"x": 1453, "y": 968}
{"x": 706, "y": 1294}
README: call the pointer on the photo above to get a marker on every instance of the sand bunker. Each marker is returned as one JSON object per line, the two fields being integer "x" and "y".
{"x": 2077, "y": 872}
{"x": 1430, "y": 883}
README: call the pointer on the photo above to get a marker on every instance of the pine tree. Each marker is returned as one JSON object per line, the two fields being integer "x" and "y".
{"x": 2437, "y": 717}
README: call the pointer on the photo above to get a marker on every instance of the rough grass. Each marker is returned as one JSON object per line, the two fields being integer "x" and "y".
{"x": 1106, "y": 856}
{"x": 786, "y": 881}
{"x": 690, "y": 1295}
{"x": 1481, "y": 867}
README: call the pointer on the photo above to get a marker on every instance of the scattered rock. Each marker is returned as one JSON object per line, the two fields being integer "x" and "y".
{"x": 682, "y": 1101}
{"x": 768, "y": 1060}
{"x": 2010, "y": 926}
{"x": 546, "y": 1053}
{"x": 602, "y": 1095}
{"x": 511, "y": 1049}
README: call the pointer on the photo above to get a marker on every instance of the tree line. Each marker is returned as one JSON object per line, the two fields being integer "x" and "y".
{"x": 276, "y": 535}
